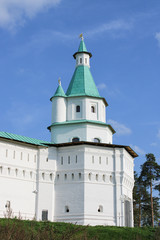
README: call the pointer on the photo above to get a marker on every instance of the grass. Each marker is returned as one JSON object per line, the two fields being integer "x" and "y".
{"x": 13, "y": 229}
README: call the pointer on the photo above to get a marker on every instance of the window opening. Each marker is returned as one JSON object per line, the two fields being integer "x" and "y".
{"x": 69, "y": 160}
{"x": 111, "y": 179}
{"x": 80, "y": 175}
{"x": 85, "y": 60}
{"x": 96, "y": 177}
{"x": 75, "y": 139}
{"x": 9, "y": 170}
{"x": 51, "y": 176}
{"x": 57, "y": 176}
{"x": 100, "y": 209}
{"x": 23, "y": 173}
{"x": 46, "y": 159}
{"x": 66, "y": 209}
{"x": 92, "y": 159}
{"x": 78, "y": 108}
{"x": 16, "y": 171}
{"x": 61, "y": 160}
{"x": 104, "y": 177}
{"x": 72, "y": 176}
{"x": 65, "y": 176}
{"x": 97, "y": 140}
{"x": 31, "y": 174}
{"x": 89, "y": 176}
{"x": 107, "y": 160}
{"x": 1, "y": 169}
{"x": 44, "y": 215}
{"x": 80, "y": 60}
{"x": 99, "y": 160}
{"x": 6, "y": 152}
{"x": 76, "y": 159}
{"x": 43, "y": 176}
{"x": 21, "y": 155}
{"x": 92, "y": 109}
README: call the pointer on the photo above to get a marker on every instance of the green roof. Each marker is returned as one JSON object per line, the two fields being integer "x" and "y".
{"x": 82, "y": 83}
{"x": 82, "y": 47}
{"x": 83, "y": 121}
{"x": 23, "y": 139}
{"x": 59, "y": 92}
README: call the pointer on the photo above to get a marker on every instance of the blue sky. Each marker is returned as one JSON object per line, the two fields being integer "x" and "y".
{"x": 37, "y": 41}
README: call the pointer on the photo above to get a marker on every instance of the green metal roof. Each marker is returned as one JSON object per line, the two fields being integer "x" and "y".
{"x": 83, "y": 121}
{"x": 59, "y": 92}
{"x": 23, "y": 139}
{"x": 82, "y": 83}
{"x": 82, "y": 47}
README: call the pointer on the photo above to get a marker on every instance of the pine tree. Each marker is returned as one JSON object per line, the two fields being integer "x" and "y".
{"x": 149, "y": 174}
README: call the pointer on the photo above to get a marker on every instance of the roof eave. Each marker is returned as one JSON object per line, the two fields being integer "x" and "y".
{"x": 90, "y": 54}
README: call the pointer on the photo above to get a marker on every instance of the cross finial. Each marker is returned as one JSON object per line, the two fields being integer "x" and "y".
{"x": 59, "y": 81}
{"x": 81, "y": 36}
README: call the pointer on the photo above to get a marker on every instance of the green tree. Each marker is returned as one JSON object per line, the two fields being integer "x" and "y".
{"x": 141, "y": 201}
{"x": 150, "y": 172}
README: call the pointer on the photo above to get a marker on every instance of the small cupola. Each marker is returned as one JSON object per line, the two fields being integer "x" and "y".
{"x": 82, "y": 56}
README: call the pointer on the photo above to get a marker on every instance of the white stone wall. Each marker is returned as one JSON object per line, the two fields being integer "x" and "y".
{"x": 93, "y": 183}
{"x": 85, "y": 104}
{"x": 58, "y": 109}
{"x": 27, "y": 179}
{"x": 84, "y": 131}
{"x": 85, "y": 59}
{"x": 100, "y": 186}
{"x": 18, "y": 178}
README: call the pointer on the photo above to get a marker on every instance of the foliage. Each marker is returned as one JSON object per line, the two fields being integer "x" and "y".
{"x": 146, "y": 205}
{"x": 14, "y": 229}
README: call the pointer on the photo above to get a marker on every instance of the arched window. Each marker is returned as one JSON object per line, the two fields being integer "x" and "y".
{"x": 31, "y": 174}
{"x": 9, "y": 170}
{"x": 89, "y": 176}
{"x": 16, "y": 171}
{"x": 77, "y": 108}
{"x": 51, "y": 176}
{"x": 76, "y": 139}
{"x": 96, "y": 177}
{"x": 104, "y": 178}
{"x": 66, "y": 209}
{"x": 93, "y": 109}
{"x": 111, "y": 179}
{"x": 97, "y": 140}
{"x": 43, "y": 176}
{"x": 72, "y": 176}
{"x": 80, "y": 60}
{"x": 100, "y": 209}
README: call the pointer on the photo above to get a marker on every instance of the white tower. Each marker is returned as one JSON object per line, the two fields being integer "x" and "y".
{"x": 94, "y": 178}
{"x": 80, "y": 114}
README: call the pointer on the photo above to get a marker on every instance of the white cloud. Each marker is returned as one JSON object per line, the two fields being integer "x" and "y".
{"x": 120, "y": 128}
{"x": 101, "y": 86}
{"x": 138, "y": 150}
{"x": 15, "y": 12}
{"x": 111, "y": 26}
{"x": 157, "y": 36}
{"x": 154, "y": 144}
{"x": 158, "y": 134}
